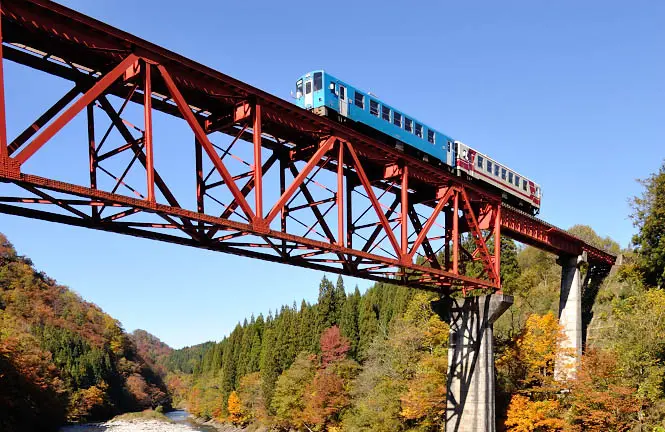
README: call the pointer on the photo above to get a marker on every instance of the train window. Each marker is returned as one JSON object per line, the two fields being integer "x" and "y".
{"x": 503, "y": 173}
{"x": 419, "y": 130}
{"x": 308, "y": 87}
{"x": 397, "y": 119}
{"x": 496, "y": 170}
{"x": 373, "y": 107}
{"x": 480, "y": 161}
{"x": 510, "y": 178}
{"x": 408, "y": 125}
{"x": 342, "y": 92}
{"x": 524, "y": 184}
{"x": 385, "y": 113}
{"x": 489, "y": 166}
{"x": 430, "y": 136}
{"x": 318, "y": 81}
{"x": 359, "y": 100}
{"x": 299, "y": 89}
{"x": 517, "y": 180}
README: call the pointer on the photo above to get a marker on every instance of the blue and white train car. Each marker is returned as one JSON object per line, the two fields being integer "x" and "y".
{"x": 326, "y": 95}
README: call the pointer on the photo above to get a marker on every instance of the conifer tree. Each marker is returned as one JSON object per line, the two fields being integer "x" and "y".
{"x": 269, "y": 366}
{"x": 349, "y": 321}
{"x": 326, "y": 313}
{"x": 649, "y": 218}
{"x": 339, "y": 300}
{"x": 368, "y": 323}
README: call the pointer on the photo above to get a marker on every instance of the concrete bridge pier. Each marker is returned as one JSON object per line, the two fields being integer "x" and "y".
{"x": 570, "y": 314}
{"x": 470, "y": 388}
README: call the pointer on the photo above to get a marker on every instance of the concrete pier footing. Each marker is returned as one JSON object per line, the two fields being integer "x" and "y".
{"x": 470, "y": 394}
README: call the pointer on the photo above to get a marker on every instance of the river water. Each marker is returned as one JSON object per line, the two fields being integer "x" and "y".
{"x": 182, "y": 422}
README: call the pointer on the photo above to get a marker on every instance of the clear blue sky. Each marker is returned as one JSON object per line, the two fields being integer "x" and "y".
{"x": 569, "y": 93}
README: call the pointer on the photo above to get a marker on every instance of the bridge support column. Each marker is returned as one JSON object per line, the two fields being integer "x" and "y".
{"x": 470, "y": 387}
{"x": 570, "y": 315}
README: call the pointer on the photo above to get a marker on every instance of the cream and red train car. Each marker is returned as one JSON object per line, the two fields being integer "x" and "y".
{"x": 516, "y": 190}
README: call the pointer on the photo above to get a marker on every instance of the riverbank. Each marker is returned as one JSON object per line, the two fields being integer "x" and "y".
{"x": 175, "y": 421}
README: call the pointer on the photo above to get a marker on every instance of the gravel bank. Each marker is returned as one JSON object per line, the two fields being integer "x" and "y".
{"x": 130, "y": 426}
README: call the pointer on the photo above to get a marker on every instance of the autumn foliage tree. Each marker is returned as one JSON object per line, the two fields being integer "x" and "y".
{"x": 236, "y": 413}
{"x": 529, "y": 366}
{"x": 334, "y": 346}
{"x": 600, "y": 398}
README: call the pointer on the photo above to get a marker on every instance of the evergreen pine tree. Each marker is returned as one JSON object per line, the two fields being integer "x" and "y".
{"x": 349, "y": 321}
{"x": 326, "y": 306}
{"x": 368, "y": 323}
{"x": 339, "y": 300}
{"x": 269, "y": 368}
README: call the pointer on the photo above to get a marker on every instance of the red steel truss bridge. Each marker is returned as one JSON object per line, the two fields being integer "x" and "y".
{"x": 151, "y": 144}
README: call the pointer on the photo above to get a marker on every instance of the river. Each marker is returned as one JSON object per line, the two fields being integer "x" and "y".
{"x": 182, "y": 422}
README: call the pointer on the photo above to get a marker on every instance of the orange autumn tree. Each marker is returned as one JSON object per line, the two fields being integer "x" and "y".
{"x": 530, "y": 365}
{"x": 600, "y": 398}
{"x": 236, "y": 413}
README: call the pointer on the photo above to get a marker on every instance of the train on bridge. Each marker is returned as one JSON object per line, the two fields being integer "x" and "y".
{"x": 328, "y": 96}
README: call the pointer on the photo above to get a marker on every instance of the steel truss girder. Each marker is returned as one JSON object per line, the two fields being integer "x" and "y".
{"x": 104, "y": 62}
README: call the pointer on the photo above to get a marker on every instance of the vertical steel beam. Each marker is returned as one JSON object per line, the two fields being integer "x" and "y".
{"x": 200, "y": 185}
{"x": 147, "y": 134}
{"x": 92, "y": 153}
{"x": 282, "y": 189}
{"x": 448, "y": 234}
{"x": 340, "y": 195}
{"x": 349, "y": 214}
{"x": 497, "y": 243}
{"x": 3, "y": 120}
{"x": 258, "y": 175}
{"x": 456, "y": 233}
{"x": 403, "y": 211}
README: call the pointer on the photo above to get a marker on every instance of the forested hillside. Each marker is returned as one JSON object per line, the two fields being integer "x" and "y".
{"x": 377, "y": 361}
{"x": 64, "y": 359}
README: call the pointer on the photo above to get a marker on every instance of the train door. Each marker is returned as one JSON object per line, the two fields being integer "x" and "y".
{"x": 343, "y": 103}
{"x": 450, "y": 154}
{"x": 309, "y": 97}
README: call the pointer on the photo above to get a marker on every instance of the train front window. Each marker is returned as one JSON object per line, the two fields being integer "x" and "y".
{"x": 308, "y": 87}
{"x": 318, "y": 81}
{"x": 374, "y": 107}
{"x": 299, "y": 89}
